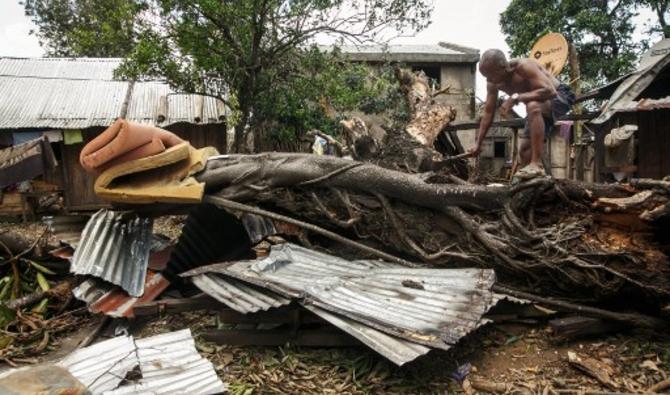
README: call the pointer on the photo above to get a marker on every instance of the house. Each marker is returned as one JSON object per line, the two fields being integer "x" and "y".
{"x": 446, "y": 64}
{"x": 633, "y": 135}
{"x": 70, "y": 101}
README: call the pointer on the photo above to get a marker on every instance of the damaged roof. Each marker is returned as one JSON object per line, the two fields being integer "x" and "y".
{"x": 77, "y": 93}
{"x": 629, "y": 90}
{"x": 115, "y": 246}
{"x": 442, "y": 52}
{"x": 169, "y": 364}
{"x": 374, "y": 301}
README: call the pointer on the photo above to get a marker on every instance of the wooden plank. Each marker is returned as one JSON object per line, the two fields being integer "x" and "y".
{"x": 516, "y": 122}
{"x": 166, "y": 306}
{"x": 577, "y": 326}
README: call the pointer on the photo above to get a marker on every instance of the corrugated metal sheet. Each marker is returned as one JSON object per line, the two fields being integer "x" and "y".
{"x": 102, "y": 366}
{"x": 258, "y": 227}
{"x": 646, "y": 105}
{"x": 170, "y": 364}
{"x": 651, "y": 64}
{"x": 115, "y": 247}
{"x": 111, "y": 300}
{"x": 411, "y": 53}
{"x": 238, "y": 295}
{"x": 434, "y": 307}
{"x": 249, "y": 299}
{"x": 77, "y": 93}
{"x": 396, "y": 350}
{"x": 67, "y": 228}
{"x": 209, "y": 235}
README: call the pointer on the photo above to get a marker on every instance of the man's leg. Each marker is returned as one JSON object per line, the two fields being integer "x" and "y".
{"x": 524, "y": 152}
{"x": 536, "y": 127}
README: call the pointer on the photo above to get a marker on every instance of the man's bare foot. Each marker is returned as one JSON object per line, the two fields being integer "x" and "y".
{"x": 529, "y": 172}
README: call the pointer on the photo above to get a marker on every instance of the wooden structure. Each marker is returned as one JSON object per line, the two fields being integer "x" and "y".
{"x": 80, "y": 97}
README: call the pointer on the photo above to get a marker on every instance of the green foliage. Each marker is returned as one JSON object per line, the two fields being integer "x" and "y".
{"x": 322, "y": 88}
{"x": 257, "y": 51}
{"x": 253, "y": 54}
{"x": 662, "y": 10}
{"x": 600, "y": 30}
{"x": 90, "y": 28}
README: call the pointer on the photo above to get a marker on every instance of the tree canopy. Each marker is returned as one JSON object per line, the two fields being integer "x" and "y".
{"x": 256, "y": 55}
{"x": 601, "y": 31}
{"x": 91, "y": 28}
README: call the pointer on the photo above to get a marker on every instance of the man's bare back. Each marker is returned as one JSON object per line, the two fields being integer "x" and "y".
{"x": 528, "y": 83}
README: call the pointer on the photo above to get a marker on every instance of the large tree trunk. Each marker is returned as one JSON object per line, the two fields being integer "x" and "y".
{"x": 544, "y": 234}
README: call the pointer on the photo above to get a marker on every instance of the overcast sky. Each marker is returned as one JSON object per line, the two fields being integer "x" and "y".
{"x": 473, "y": 23}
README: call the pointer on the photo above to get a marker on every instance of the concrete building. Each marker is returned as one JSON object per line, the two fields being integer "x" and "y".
{"x": 446, "y": 64}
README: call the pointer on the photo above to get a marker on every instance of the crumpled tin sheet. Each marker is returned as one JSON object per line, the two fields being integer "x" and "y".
{"x": 433, "y": 307}
{"x": 237, "y": 295}
{"x": 102, "y": 366}
{"x": 111, "y": 300}
{"x": 258, "y": 227}
{"x": 249, "y": 299}
{"x": 114, "y": 246}
{"x": 170, "y": 364}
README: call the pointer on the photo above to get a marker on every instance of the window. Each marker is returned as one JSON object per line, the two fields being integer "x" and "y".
{"x": 499, "y": 149}
{"x": 432, "y": 72}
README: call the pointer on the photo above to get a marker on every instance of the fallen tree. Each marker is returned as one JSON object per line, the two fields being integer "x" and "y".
{"x": 537, "y": 235}
{"x": 403, "y": 196}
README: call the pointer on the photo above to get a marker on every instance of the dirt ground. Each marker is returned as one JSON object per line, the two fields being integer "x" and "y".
{"x": 525, "y": 358}
{"x": 513, "y": 358}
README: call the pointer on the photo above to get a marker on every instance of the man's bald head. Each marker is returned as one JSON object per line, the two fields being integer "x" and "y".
{"x": 493, "y": 65}
{"x": 493, "y": 57}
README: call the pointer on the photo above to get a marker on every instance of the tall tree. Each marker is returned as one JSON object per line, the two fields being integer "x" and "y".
{"x": 601, "y": 31}
{"x": 245, "y": 50}
{"x": 662, "y": 10}
{"x": 90, "y": 28}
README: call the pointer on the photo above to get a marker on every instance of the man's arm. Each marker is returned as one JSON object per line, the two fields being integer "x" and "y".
{"x": 542, "y": 83}
{"x": 487, "y": 117}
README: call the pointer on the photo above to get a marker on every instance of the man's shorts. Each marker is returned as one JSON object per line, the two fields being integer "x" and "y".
{"x": 560, "y": 105}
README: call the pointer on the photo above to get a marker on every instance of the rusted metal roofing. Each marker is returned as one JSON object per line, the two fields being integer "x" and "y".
{"x": 651, "y": 65}
{"x": 77, "y": 93}
{"x": 115, "y": 247}
{"x": 102, "y": 366}
{"x": 111, "y": 300}
{"x": 432, "y": 307}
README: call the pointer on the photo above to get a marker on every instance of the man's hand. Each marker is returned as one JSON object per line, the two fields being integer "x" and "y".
{"x": 506, "y": 106}
{"x": 474, "y": 151}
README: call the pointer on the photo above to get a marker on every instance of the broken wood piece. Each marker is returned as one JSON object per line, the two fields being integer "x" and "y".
{"x": 594, "y": 368}
{"x": 578, "y": 326}
{"x": 491, "y": 387}
{"x": 166, "y": 306}
{"x": 633, "y": 319}
{"x": 660, "y": 386}
{"x": 61, "y": 291}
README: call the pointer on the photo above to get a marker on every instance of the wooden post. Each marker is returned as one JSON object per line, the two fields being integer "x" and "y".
{"x": 575, "y": 82}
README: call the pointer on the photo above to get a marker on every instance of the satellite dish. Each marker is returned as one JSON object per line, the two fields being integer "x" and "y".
{"x": 551, "y": 52}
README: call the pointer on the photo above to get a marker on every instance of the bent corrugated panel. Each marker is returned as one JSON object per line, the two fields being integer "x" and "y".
{"x": 115, "y": 246}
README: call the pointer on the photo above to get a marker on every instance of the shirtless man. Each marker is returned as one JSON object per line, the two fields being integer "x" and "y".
{"x": 527, "y": 82}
